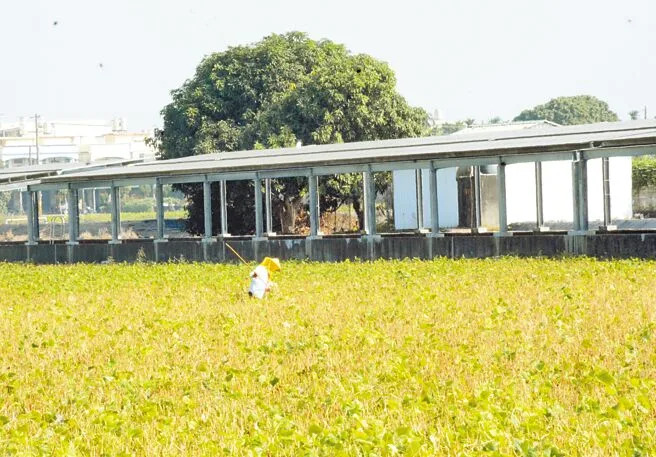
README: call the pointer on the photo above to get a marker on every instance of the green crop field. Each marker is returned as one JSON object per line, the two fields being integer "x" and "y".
{"x": 469, "y": 357}
{"x": 98, "y": 217}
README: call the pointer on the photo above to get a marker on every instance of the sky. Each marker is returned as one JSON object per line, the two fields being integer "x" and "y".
{"x": 87, "y": 59}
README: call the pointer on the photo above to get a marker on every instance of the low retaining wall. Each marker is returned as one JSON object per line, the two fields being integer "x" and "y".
{"x": 334, "y": 249}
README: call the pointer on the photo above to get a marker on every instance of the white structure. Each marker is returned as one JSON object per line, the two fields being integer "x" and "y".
{"x": 82, "y": 141}
{"x": 520, "y": 188}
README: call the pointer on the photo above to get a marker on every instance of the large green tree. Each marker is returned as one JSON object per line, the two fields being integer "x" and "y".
{"x": 281, "y": 90}
{"x": 579, "y": 109}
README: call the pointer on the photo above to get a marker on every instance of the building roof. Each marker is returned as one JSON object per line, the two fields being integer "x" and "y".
{"x": 506, "y": 126}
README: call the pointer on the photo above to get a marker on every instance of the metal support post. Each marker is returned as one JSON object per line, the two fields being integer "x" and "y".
{"x": 365, "y": 198}
{"x": 207, "y": 209}
{"x": 583, "y": 194}
{"x": 605, "y": 173}
{"x": 73, "y": 216}
{"x": 477, "y": 201}
{"x": 116, "y": 214}
{"x": 419, "y": 192}
{"x": 313, "y": 203}
{"x": 83, "y": 199}
{"x": 32, "y": 235}
{"x": 369, "y": 203}
{"x": 223, "y": 208}
{"x": 435, "y": 217}
{"x": 579, "y": 193}
{"x": 267, "y": 207}
{"x": 257, "y": 184}
{"x": 501, "y": 197}
{"x": 36, "y": 196}
{"x": 159, "y": 205}
{"x": 575, "y": 196}
{"x": 539, "y": 205}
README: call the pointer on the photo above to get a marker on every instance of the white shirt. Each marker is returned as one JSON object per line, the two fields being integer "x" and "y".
{"x": 259, "y": 282}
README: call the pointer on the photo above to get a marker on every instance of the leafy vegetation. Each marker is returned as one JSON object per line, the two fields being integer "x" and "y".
{"x": 106, "y": 217}
{"x": 283, "y": 89}
{"x": 579, "y": 109}
{"x": 644, "y": 172}
{"x": 468, "y": 357}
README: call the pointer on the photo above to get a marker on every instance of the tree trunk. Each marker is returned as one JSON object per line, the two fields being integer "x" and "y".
{"x": 359, "y": 211}
{"x": 288, "y": 212}
{"x": 287, "y": 219}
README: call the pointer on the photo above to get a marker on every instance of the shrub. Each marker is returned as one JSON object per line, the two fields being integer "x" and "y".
{"x": 644, "y": 172}
{"x": 137, "y": 205}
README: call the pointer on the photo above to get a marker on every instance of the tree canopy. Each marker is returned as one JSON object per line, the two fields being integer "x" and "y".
{"x": 283, "y": 89}
{"x": 579, "y": 109}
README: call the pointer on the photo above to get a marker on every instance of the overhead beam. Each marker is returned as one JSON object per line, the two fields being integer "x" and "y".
{"x": 241, "y": 176}
{"x": 628, "y": 151}
{"x": 47, "y": 186}
{"x": 543, "y": 157}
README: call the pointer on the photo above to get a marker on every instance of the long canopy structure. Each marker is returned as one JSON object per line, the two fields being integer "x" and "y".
{"x": 593, "y": 140}
{"x": 18, "y": 178}
{"x": 574, "y": 143}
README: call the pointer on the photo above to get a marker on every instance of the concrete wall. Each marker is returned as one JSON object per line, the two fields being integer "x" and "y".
{"x": 520, "y": 194}
{"x": 405, "y": 198}
{"x": 334, "y": 249}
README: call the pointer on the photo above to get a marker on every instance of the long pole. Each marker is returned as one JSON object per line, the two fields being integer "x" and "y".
{"x": 605, "y": 173}
{"x": 236, "y": 253}
{"x": 539, "y": 208}
{"x": 36, "y": 136}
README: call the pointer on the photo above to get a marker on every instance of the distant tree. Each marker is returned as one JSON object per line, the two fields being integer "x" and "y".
{"x": 284, "y": 89}
{"x": 634, "y": 115}
{"x": 580, "y": 109}
{"x": 495, "y": 120}
{"x": 448, "y": 128}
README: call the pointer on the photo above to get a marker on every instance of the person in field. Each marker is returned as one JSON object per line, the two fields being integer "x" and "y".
{"x": 260, "y": 277}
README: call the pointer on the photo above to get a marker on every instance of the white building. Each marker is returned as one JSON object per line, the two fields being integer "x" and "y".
{"x": 63, "y": 141}
{"x": 520, "y": 189}
{"x": 68, "y": 141}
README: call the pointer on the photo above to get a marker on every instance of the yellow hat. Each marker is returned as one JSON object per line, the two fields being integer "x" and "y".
{"x": 271, "y": 264}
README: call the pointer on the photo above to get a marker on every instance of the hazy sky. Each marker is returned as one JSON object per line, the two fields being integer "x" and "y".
{"x": 475, "y": 59}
